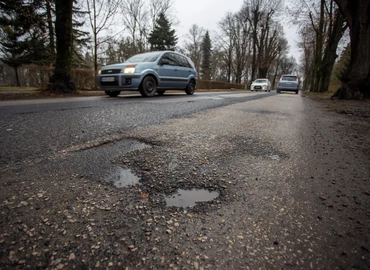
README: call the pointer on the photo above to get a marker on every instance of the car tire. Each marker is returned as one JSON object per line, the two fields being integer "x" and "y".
{"x": 190, "y": 88}
{"x": 112, "y": 93}
{"x": 278, "y": 91}
{"x": 160, "y": 93}
{"x": 148, "y": 87}
{"x": 296, "y": 92}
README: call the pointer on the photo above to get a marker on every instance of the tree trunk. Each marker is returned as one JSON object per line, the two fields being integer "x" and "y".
{"x": 95, "y": 47}
{"x": 262, "y": 72}
{"x": 17, "y": 81}
{"x": 330, "y": 52}
{"x": 51, "y": 30}
{"x": 276, "y": 71}
{"x": 356, "y": 81}
{"x": 61, "y": 79}
{"x": 318, "y": 50}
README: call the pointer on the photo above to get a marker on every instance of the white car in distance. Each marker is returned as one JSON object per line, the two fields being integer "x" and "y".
{"x": 261, "y": 84}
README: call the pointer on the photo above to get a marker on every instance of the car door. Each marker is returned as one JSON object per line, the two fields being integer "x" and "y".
{"x": 168, "y": 72}
{"x": 185, "y": 70}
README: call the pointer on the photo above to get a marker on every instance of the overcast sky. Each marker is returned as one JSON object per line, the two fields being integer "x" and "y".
{"x": 207, "y": 14}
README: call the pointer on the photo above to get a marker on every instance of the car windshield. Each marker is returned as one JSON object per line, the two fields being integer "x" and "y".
{"x": 144, "y": 57}
{"x": 289, "y": 78}
{"x": 260, "y": 81}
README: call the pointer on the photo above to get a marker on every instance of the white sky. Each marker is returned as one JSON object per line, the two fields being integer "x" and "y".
{"x": 207, "y": 14}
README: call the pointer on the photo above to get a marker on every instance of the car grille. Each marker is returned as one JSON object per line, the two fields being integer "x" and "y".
{"x": 111, "y": 71}
{"x": 109, "y": 83}
{"x": 257, "y": 87}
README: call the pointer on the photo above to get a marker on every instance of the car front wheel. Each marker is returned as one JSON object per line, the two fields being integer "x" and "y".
{"x": 190, "y": 89}
{"x": 112, "y": 93}
{"x": 148, "y": 87}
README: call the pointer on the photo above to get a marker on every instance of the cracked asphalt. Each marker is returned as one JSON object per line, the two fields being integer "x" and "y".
{"x": 291, "y": 174}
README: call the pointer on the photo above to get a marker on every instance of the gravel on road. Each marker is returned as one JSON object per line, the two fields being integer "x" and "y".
{"x": 287, "y": 179}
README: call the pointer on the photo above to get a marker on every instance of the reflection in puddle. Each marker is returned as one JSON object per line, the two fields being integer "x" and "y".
{"x": 274, "y": 157}
{"x": 187, "y": 198}
{"x": 123, "y": 178}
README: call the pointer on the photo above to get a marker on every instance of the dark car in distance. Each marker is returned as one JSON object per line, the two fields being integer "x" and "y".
{"x": 288, "y": 83}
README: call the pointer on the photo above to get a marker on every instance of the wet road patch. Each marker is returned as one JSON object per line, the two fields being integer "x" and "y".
{"x": 123, "y": 178}
{"x": 189, "y": 198}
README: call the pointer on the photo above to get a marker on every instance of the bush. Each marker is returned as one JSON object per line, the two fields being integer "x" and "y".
{"x": 218, "y": 85}
{"x": 38, "y": 76}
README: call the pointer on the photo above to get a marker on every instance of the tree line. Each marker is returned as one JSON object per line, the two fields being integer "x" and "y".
{"x": 248, "y": 44}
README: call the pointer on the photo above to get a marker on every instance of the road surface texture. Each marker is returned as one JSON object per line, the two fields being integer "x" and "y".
{"x": 212, "y": 181}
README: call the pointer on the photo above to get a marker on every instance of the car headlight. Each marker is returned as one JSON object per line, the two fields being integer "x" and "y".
{"x": 99, "y": 71}
{"x": 129, "y": 70}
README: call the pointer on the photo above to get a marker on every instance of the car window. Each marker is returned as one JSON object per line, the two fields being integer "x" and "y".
{"x": 289, "y": 78}
{"x": 190, "y": 63}
{"x": 183, "y": 61}
{"x": 261, "y": 81}
{"x": 179, "y": 60}
{"x": 170, "y": 58}
{"x": 144, "y": 57}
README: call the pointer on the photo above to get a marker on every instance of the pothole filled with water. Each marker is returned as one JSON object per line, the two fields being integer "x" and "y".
{"x": 123, "y": 178}
{"x": 274, "y": 157}
{"x": 188, "y": 198}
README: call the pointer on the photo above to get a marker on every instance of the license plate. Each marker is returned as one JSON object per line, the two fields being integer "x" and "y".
{"x": 107, "y": 79}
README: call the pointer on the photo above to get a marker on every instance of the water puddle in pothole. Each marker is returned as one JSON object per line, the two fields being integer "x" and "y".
{"x": 188, "y": 198}
{"x": 274, "y": 157}
{"x": 123, "y": 178}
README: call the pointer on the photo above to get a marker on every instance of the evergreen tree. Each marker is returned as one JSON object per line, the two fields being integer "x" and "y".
{"x": 206, "y": 61}
{"x": 81, "y": 38}
{"x": 61, "y": 79}
{"x": 162, "y": 37}
{"x": 22, "y": 38}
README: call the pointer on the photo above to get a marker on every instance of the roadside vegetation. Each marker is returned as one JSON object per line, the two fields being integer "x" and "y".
{"x": 45, "y": 43}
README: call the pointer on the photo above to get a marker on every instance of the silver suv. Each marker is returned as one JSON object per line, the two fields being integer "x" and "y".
{"x": 288, "y": 83}
{"x": 150, "y": 73}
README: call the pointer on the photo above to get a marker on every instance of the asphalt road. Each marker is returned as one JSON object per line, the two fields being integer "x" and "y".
{"x": 94, "y": 182}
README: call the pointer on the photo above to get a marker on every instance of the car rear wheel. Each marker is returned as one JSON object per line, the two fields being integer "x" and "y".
{"x": 160, "y": 93}
{"x": 190, "y": 89}
{"x": 296, "y": 92}
{"x": 112, "y": 93}
{"x": 148, "y": 87}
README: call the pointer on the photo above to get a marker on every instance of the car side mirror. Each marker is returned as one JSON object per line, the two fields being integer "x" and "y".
{"x": 164, "y": 62}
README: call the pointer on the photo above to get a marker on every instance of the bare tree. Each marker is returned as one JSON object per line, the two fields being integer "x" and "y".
{"x": 161, "y": 6}
{"x": 281, "y": 56}
{"x": 321, "y": 30}
{"x": 193, "y": 45}
{"x": 242, "y": 46}
{"x": 262, "y": 14}
{"x": 226, "y": 41}
{"x": 101, "y": 18}
{"x": 135, "y": 18}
